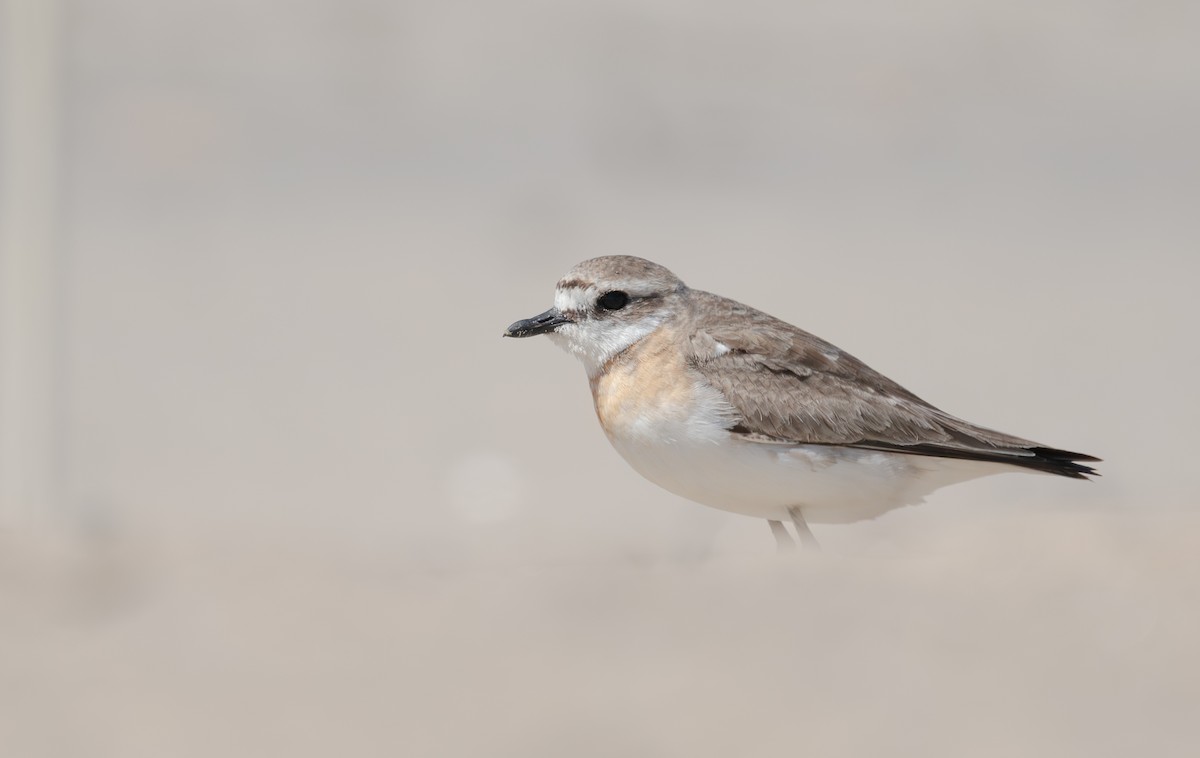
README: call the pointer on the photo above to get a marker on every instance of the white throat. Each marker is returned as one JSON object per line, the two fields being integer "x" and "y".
{"x": 596, "y": 341}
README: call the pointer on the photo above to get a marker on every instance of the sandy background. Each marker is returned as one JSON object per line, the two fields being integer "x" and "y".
{"x": 307, "y": 501}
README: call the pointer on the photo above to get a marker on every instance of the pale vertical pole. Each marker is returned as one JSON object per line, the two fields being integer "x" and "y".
{"x": 29, "y": 143}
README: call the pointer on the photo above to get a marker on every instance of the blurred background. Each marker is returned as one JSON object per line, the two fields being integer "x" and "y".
{"x": 271, "y": 483}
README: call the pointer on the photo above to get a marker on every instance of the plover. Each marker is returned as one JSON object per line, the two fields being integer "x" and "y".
{"x": 732, "y": 408}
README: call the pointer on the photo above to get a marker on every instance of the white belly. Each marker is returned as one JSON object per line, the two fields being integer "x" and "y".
{"x": 672, "y": 428}
{"x": 830, "y": 484}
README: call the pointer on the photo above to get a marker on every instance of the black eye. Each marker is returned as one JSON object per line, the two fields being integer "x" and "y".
{"x": 613, "y": 301}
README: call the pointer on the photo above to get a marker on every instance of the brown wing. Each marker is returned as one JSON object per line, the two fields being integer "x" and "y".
{"x": 789, "y": 386}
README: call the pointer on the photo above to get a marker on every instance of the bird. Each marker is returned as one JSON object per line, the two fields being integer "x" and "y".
{"x": 732, "y": 408}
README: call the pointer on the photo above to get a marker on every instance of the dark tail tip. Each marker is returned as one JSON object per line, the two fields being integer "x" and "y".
{"x": 1061, "y": 462}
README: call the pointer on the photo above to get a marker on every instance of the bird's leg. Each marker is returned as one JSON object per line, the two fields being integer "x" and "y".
{"x": 783, "y": 540}
{"x": 806, "y": 536}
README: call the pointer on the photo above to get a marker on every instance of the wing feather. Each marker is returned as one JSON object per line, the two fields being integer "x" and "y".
{"x": 789, "y": 386}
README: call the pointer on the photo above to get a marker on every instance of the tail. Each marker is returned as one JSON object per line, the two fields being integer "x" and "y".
{"x": 1061, "y": 462}
{"x": 1045, "y": 459}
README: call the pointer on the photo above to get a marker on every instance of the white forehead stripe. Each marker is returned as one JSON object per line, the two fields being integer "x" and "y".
{"x": 573, "y": 299}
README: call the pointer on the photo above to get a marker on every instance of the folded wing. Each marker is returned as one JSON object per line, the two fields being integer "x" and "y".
{"x": 791, "y": 387}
